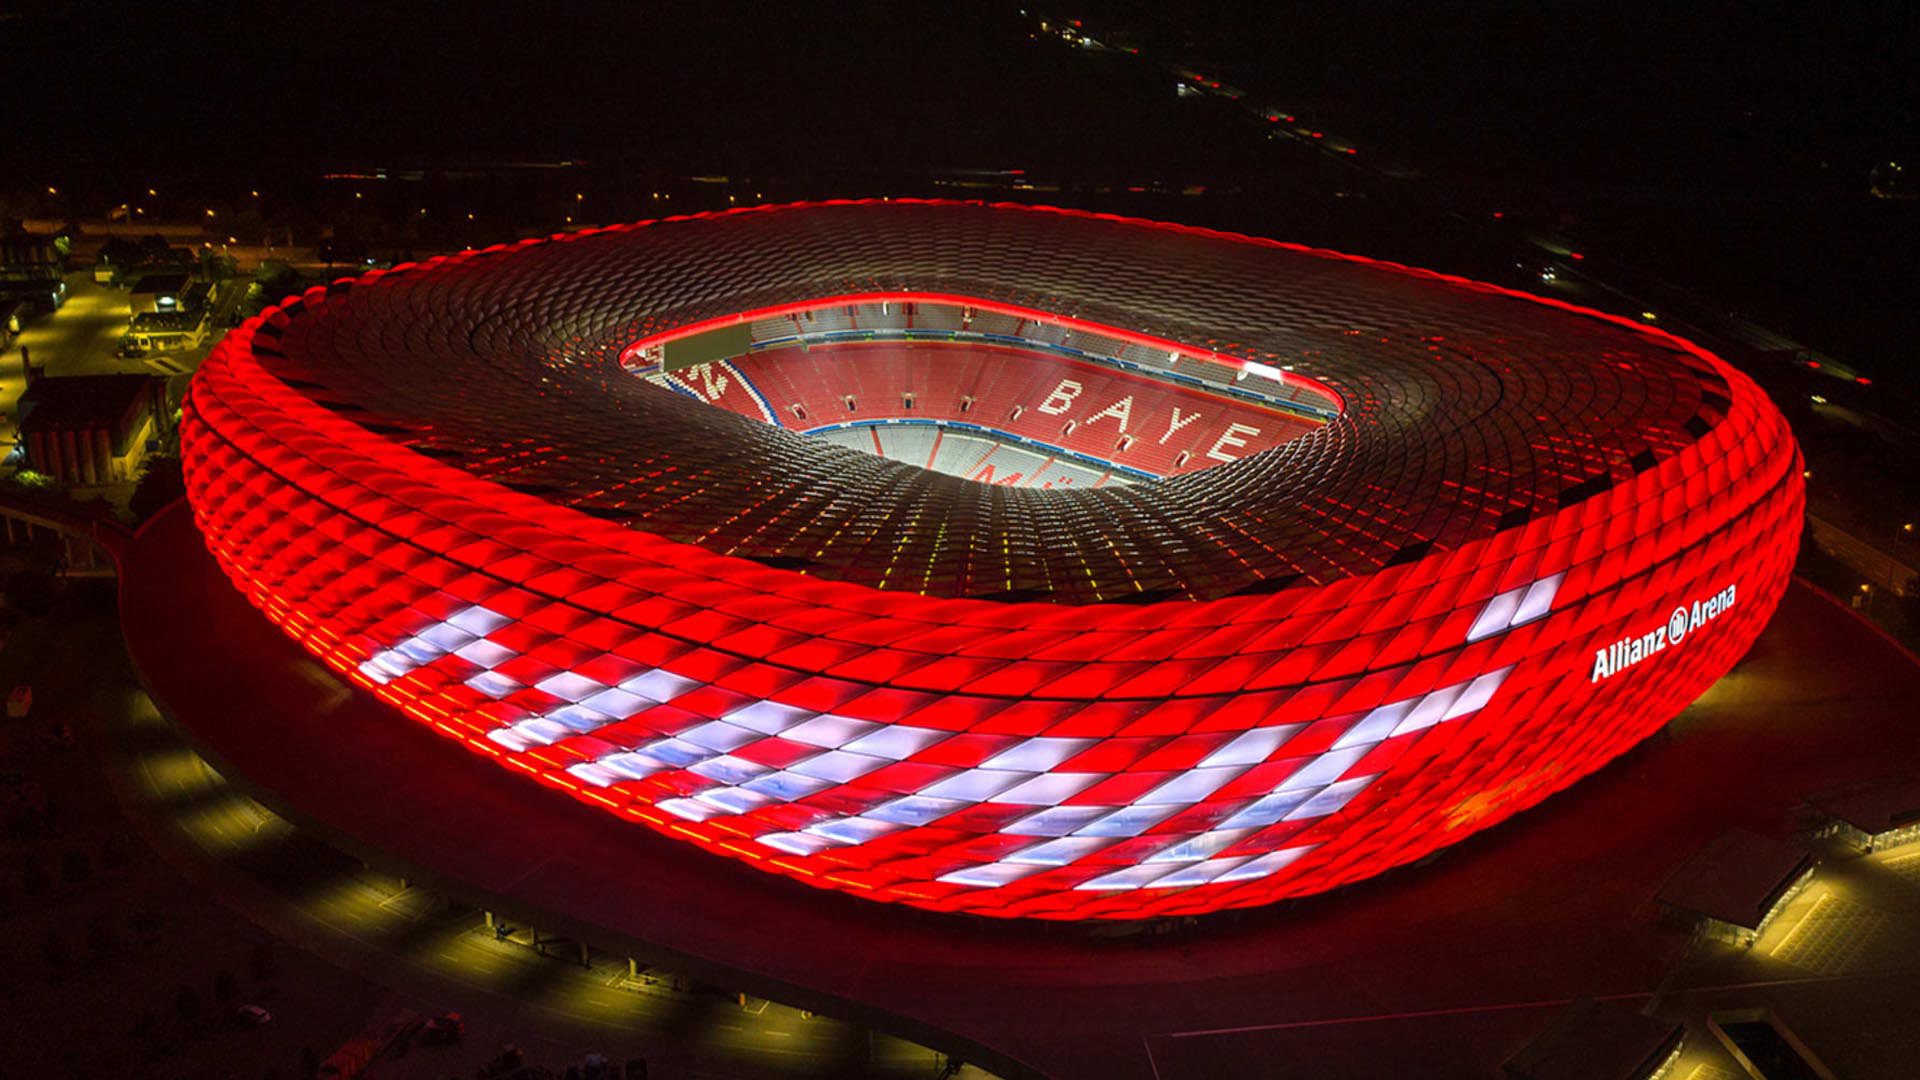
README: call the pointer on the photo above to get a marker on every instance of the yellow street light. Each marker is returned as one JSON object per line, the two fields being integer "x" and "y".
{"x": 210, "y": 212}
{"x": 51, "y": 190}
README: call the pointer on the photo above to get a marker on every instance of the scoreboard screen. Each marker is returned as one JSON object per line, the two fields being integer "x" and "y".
{"x": 722, "y": 343}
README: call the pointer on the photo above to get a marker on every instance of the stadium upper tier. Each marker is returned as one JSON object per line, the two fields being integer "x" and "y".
{"x": 1465, "y": 411}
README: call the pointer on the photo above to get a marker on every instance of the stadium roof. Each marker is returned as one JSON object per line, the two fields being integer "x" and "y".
{"x": 1737, "y": 878}
{"x": 1468, "y": 410}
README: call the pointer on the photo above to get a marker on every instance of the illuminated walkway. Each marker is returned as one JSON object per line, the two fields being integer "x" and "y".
{"x": 327, "y": 903}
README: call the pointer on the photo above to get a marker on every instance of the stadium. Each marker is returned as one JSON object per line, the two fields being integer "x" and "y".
{"x": 1000, "y": 560}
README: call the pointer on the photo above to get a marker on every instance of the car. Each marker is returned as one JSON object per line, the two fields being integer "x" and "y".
{"x": 252, "y": 1016}
{"x": 447, "y": 1027}
{"x": 20, "y": 702}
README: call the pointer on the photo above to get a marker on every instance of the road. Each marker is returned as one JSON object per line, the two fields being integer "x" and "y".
{"x": 81, "y": 337}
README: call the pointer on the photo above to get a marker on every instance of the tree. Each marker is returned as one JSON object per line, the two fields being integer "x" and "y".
{"x": 159, "y": 485}
{"x": 215, "y": 266}
{"x": 187, "y": 1003}
{"x": 122, "y": 252}
{"x": 273, "y": 282}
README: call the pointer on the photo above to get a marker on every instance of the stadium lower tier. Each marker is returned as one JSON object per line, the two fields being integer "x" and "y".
{"x": 984, "y": 458}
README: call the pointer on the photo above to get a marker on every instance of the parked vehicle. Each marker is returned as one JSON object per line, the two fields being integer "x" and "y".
{"x": 446, "y": 1028}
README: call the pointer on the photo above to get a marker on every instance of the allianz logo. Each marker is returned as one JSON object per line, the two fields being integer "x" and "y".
{"x": 1679, "y": 626}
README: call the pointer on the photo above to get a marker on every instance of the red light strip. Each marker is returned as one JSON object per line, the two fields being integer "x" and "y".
{"x": 357, "y": 547}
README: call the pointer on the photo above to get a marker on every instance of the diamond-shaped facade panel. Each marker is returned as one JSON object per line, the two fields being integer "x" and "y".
{"x": 1441, "y": 551}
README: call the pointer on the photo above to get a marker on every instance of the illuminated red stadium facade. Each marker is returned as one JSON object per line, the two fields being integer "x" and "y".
{"x": 1184, "y": 570}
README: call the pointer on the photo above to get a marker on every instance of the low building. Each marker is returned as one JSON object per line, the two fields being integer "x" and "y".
{"x": 41, "y": 296}
{"x": 1872, "y": 817}
{"x": 1732, "y": 888}
{"x": 90, "y": 430}
{"x": 1590, "y": 1040}
{"x": 159, "y": 292}
{"x": 29, "y": 257}
{"x": 158, "y": 331}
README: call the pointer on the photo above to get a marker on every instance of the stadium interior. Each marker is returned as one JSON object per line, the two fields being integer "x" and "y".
{"x": 988, "y": 395}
